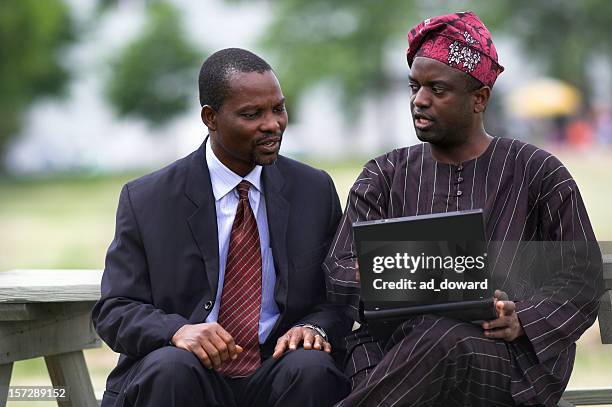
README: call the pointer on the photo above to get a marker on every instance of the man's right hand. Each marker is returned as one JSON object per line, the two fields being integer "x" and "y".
{"x": 212, "y": 344}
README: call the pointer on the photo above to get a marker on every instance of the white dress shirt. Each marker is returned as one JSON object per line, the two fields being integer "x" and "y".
{"x": 224, "y": 182}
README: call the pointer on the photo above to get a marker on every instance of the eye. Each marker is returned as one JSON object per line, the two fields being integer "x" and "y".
{"x": 437, "y": 90}
{"x": 279, "y": 109}
{"x": 414, "y": 87}
{"x": 249, "y": 115}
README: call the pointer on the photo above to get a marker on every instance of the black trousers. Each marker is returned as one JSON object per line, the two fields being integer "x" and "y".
{"x": 434, "y": 361}
{"x": 171, "y": 376}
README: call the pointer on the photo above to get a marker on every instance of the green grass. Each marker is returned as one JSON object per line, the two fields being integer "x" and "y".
{"x": 68, "y": 222}
{"x": 57, "y": 223}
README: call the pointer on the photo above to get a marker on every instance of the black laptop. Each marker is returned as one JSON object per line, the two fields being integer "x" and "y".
{"x": 427, "y": 264}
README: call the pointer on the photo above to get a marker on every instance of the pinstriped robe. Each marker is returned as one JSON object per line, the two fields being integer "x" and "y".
{"x": 527, "y": 195}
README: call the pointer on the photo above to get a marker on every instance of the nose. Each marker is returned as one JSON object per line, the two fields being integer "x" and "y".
{"x": 270, "y": 123}
{"x": 421, "y": 97}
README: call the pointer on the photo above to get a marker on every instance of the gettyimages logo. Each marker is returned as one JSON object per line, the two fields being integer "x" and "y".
{"x": 413, "y": 263}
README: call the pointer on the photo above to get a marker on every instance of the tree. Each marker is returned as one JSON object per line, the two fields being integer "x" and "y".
{"x": 344, "y": 41}
{"x": 563, "y": 36}
{"x": 32, "y": 33}
{"x": 152, "y": 78}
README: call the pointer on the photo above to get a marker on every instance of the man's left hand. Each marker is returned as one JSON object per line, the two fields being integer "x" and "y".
{"x": 507, "y": 325}
{"x": 300, "y": 335}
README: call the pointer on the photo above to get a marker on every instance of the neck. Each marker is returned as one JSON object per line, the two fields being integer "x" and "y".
{"x": 229, "y": 159}
{"x": 467, "y": 150}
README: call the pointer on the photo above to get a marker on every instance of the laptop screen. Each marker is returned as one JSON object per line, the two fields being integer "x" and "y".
{"x": 420, "y": 260}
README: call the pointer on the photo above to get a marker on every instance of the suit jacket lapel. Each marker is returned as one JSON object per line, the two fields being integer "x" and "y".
{"x": 203, "y": 224}
{"x": 277, "y": 208}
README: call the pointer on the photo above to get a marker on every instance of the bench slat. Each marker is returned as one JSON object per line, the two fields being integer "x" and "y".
{"x": 589, "y": 397}
{"x": 23, "y": 286}
{"x": 607, "y": 271}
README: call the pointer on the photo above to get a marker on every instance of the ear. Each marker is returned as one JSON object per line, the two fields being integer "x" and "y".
{"x": 481, "y": 98}
{"x": 209, "y": 117}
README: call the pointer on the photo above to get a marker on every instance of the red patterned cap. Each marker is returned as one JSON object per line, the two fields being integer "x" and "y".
{"x": 461, "y": 41}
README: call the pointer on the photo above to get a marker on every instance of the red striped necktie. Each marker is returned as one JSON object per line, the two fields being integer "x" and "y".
{"x": 241, "y": 297}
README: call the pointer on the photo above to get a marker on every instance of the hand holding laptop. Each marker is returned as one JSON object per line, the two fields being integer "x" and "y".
{"x": 507, "y": 326}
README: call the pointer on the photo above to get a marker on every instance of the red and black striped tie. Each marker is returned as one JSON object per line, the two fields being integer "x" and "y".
{"x": 241, "y": 297}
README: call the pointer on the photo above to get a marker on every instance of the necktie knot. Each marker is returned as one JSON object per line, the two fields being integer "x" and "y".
{"x": 243, "y": 189}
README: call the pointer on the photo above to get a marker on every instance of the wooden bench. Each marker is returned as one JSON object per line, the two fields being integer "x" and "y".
{"x": 48, "y": 313}
{"x": 591, "y": 397}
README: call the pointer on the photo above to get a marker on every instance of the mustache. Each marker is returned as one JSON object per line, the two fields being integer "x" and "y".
{"x": 272, "y": 138}
{"x": 417, "y": 114}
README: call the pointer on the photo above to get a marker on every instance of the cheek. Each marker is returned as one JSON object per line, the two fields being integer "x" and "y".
{"x": 239, "y": 138}
{"x": 283, "y": 121}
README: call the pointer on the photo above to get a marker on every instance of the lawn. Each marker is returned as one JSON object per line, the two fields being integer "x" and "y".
{"x": 68, "y": 222}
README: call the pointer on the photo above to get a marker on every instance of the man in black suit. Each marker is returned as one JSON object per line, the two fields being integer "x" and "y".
{"x": 213, "y": 291}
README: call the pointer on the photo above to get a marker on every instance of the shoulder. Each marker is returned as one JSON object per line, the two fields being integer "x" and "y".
{"x": 383, "y": 169}
{"x": 297, "y": 171}
{"x": 543, "y": 170}
{"x": 304, "y": 186}
{"x": 535, "y": 158}
{"x": 165, "y": 180}
{"x": 396, "y": 157}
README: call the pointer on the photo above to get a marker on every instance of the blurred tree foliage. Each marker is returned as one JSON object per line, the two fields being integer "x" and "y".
{"x": 344, "y": 41}
{"x": 152, "y": 78}
{"x": 33, "y": 34}
{"x": 563, "y": 36}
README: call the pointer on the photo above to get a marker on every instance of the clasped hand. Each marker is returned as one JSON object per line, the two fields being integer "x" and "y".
{"x": 214, "y": 346}
{"x": 507, "y": 325}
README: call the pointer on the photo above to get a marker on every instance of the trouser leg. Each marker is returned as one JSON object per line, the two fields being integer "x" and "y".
{"x": 299, "y": 378}
{"x": 431, "y": 361}
{"x": 171, "y": 376}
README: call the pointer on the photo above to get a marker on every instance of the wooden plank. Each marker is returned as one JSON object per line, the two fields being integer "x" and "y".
{"x": 15, "y": 312}
{"x": 605, "y": 318}
{"x": 41, "y": 310}
{"x": 588, "y": 397}
{"x": 70, "y": 329}
{"x": 21, "y": 286}
{"x": 607, "y": 271}
{"x": 5, "y": 379}
{"x": 70, "y": 370}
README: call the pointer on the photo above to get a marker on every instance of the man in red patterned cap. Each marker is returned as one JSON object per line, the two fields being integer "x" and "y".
{"x": 525, "y": 356}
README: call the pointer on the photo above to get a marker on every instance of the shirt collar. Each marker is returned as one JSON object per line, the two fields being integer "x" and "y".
{"x": 223, "y": 179}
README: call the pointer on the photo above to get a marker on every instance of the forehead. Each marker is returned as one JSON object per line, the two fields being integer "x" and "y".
{"x": 252, "y": 87}
{"x": 430, "y": 70}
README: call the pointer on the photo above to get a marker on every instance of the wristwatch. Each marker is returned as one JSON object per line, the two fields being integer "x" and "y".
{"x": 315, "y": 328}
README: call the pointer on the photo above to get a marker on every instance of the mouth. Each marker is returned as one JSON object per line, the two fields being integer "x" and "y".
{"x": 421, "y": 121}
{"x": 270, "y": 145}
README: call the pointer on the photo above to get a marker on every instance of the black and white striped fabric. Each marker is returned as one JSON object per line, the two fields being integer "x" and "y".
{"x": 542, "y": 252}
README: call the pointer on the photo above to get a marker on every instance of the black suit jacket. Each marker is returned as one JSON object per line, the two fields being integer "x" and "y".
{"x": 162, "y": 267}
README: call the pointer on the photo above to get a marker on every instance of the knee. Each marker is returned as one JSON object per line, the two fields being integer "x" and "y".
{"x": 167, "y": 376}
{"x": 169, "y": 364}
{"x": 441, "y": 336}
{"x": 314, "y": 364}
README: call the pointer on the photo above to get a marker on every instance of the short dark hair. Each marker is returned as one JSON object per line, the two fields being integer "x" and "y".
{"x": 216, "y": 70}
{"x": 471, "y": 83}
